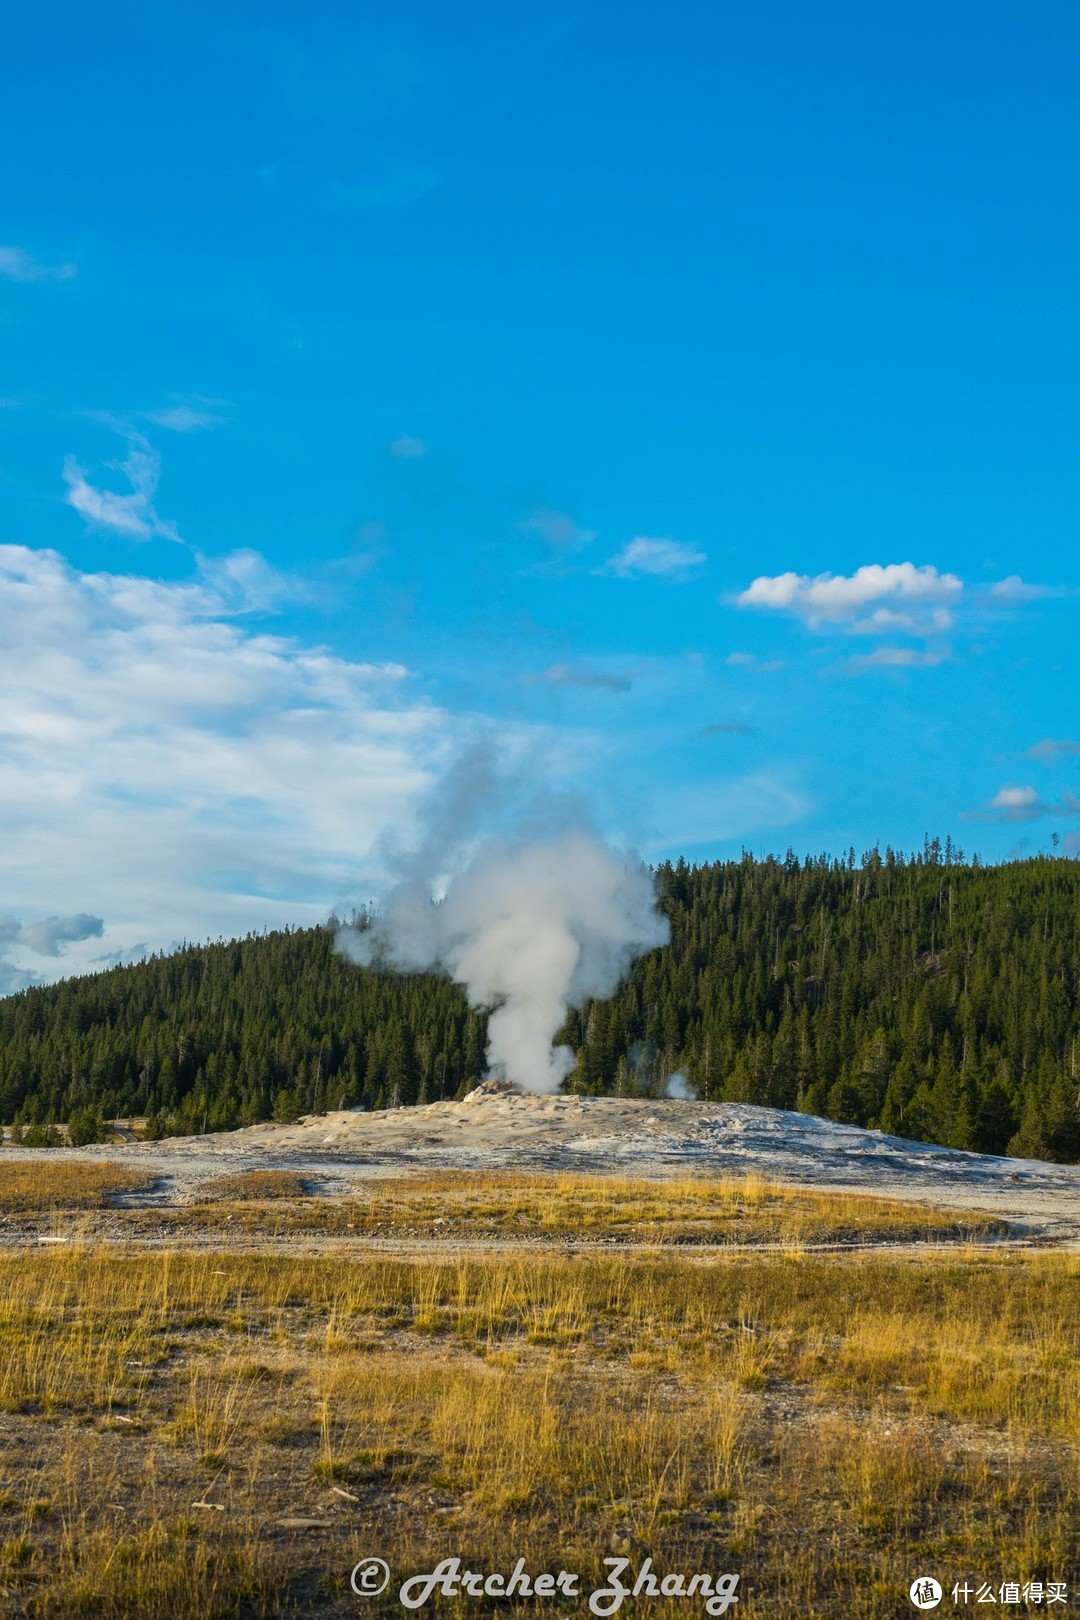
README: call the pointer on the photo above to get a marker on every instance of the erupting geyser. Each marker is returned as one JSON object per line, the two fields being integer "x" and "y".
{"x": 529, "y": 929}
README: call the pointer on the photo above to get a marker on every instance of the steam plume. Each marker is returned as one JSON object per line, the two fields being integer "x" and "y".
{"x": 529, "y": 928}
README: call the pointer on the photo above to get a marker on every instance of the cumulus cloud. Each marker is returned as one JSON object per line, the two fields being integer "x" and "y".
{"x": 874, "y": 597}
{"x": 406, "y": 448}
{"x": 17, "y": 265}
{"x": 1016, "y": 802}
{"x": 132, "y": 513}
{"x": 559, "y": 531}
{"x": 649, "y": 557}
{"x": 183, "y": 774}
{"x": 567, "y": 675}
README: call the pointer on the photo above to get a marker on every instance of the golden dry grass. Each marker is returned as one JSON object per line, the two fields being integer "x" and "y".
{"x": 823, "y": 1424}
{"x": 536, "y": 1208}
{"x": 28, "y": 1185}
{"x": 709, "y": 1208}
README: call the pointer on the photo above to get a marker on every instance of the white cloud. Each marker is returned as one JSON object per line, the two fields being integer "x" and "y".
{"x": 649, "y": 557}
{"x": 407, "y": 448}
{"x": 167, "y": 769}
{"x": 924, "y": 596}
{"x": 1022, "y": 803}
{"x": 132, "y": 513}
{"x": 887, "y": 621}
{"x": 1014, "y": 592}
{"x": 247, "y": 583}
{"x": 17, "y": 265}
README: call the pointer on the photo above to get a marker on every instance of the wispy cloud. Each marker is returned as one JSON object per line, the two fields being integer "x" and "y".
{"x": 1015, "y": 592}
{"x": 17, "y": 265}
{"x": 1051, "y": 750}
{"x": 184, "y": 774}
{"x": 557, "y": 529}
{"x": 705, "y": 814}
{"x": 407, "y": 448}
{"x": 649, "y": 557}
{"x": 751, "y": 661}
{"x": 875, "y": 597}
{"x": 246, "y": 583}
{"x": 132, "y": 513}
{"x": 184, "y": 418}
{"x": 568, "y": 675}
{"x": 894, "y": 658}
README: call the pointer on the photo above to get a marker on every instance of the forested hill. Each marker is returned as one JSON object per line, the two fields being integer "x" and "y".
{"x": 930, "y": 998}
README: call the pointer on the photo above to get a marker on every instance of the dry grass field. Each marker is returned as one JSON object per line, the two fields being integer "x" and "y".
{"x": 700, "y": 1209}
{"x": 225, "y": 1431}
{"x": 28, "y": 1187}
{"x": 452, "y": 1205}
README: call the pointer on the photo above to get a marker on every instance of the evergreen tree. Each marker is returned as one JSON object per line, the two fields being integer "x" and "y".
{"x": 919, "y": 995}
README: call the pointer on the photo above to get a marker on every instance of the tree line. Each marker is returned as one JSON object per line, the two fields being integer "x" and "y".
{"x": 923, "y": 995}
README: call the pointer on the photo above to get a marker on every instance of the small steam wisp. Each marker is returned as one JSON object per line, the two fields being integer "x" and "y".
{"x": 529, "y": 929}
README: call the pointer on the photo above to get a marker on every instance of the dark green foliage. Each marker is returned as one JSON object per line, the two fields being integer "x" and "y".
{"x": 39, "y": 1136}
{"x": 216, "y": 1036}
{"x": 924, "y": 996}
{"x": 85, "y": 1126}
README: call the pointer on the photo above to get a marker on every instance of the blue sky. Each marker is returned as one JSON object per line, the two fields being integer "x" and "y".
{"x": 681, "y": 403}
